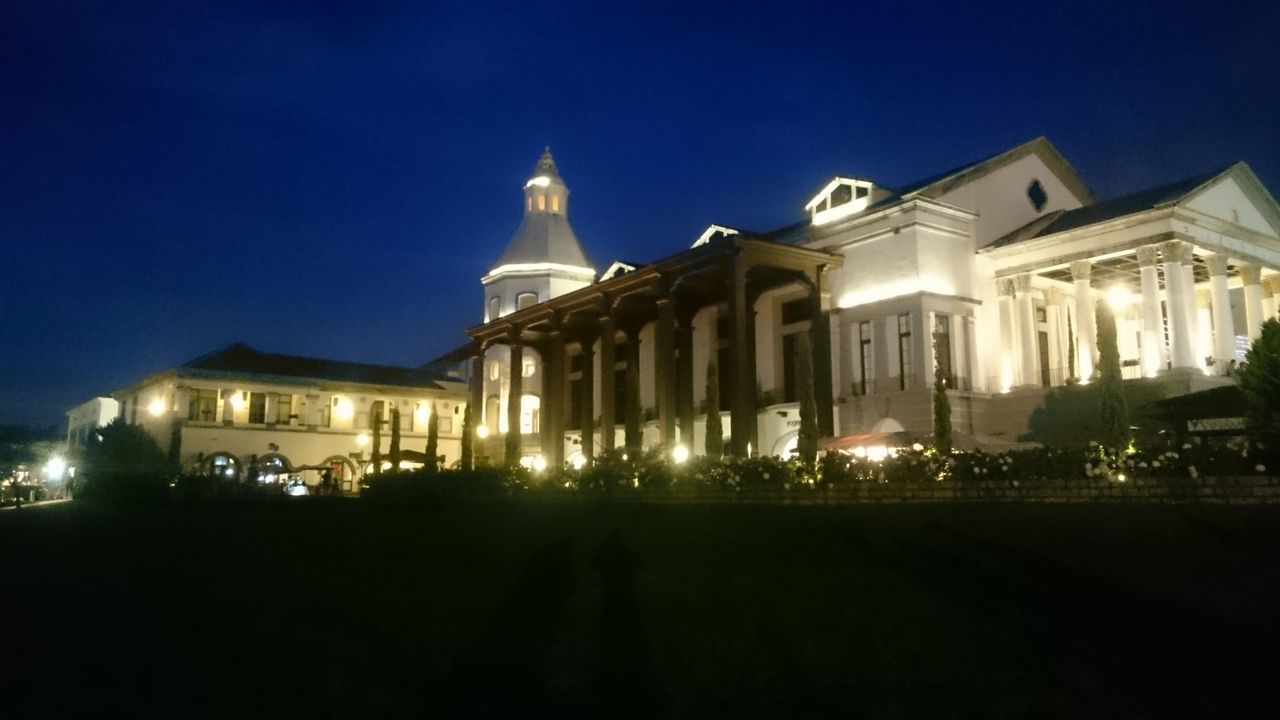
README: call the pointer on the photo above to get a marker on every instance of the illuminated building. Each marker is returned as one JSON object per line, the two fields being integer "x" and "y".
{"x": 992, "y": 269}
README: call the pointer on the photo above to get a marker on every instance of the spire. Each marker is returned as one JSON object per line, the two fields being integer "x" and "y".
{"x": 546, "y": 166}
{"x": 545, "y": 235}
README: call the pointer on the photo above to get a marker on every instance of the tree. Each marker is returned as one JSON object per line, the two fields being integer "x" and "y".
{"x": 941, "y": 408}
{"x": 175, "y": 446}
{"x": 433, "y": 440}
{"x": 714, "y": 441}
{"x": 632, "y": 437}
{"x": 375, "y": 424}
{"x": 807, "y": 445}
{"x": 1113, "y": 411}
{"x": 394, "y": 452}
{"x": 468, "y": 433}
{"x": 1071, "y": 351}
{"x": 125, "y": 463}
{"x": 1259, "y": 380}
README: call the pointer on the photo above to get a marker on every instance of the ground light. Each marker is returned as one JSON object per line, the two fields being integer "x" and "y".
{"x": 680, "y": 453}
{"x": 54, "y": 468}
{"x": 482, "y": 432}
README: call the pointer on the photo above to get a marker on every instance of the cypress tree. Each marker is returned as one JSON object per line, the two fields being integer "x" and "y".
{"x": 1113, "y": 411}
{"x": 1071, "y": 351}
{"x": 394, "y": 453}
{"x": 941, "y": 408}
{"x": 468, "y": 432}
{"x": 375, "y": 422}
{"x": 433, "y": 440}
{"x": 807, "y": 445}
{"x": 714, "y": 441}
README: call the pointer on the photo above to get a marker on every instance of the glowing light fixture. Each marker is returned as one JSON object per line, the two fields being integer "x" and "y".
{"x": 578, "y": 460}
{"x": 482, "y": 432}
{"x": 237, "y": 400}
{"x": 362, "y": 439}
{"x": 156, "y": 407}
{"x": 680, "y": 453}
{"x": 877, "y": 453}
{"x": 54, "y": 468}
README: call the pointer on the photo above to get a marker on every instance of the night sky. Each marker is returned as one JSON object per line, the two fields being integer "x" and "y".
{"x": 332, "y": 179}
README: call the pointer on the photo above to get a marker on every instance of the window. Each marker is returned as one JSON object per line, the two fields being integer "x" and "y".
{"x": 542, "y": 202}
{"x": 555, "y": 203}
{"x": 495, "y": 304}
{"x": 794, "y": 311}
{"x": 864, "y": 356}
{"x": 204, "y": 406}
{"x": 257, "y": 408}
{"x": 284, "y": 409}
{"x": 528, "y": 368}
{"x": 526, "y": 299}
{"x": 528, "y": 204}
{"x": 1036, "y": 194}
{"x": 905, "y": 367}
{"x": 841, "y": 195}
{"x": 495, "y": 370}
{"x": 942, "y": 346}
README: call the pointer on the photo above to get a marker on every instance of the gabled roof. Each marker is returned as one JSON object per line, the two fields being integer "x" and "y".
{"x": 1131, "y": 204}
{"x": 239, "y": 360}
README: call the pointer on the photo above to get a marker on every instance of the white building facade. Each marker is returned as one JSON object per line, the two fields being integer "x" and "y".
{"x": 993, "y": 270}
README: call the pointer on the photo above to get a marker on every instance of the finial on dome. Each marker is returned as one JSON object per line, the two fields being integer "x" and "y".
{"x": 546, "y": 164}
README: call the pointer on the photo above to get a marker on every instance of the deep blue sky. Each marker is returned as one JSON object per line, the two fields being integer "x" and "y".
{"x": 332, "y": 179}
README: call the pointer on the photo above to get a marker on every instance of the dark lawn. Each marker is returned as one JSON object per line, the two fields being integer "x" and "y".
{"x": 334, "y": 609}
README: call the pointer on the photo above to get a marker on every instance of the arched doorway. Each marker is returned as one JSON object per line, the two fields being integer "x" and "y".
{"x": 223, "y": 466}
{"x": 342, "y": 473}
{"x": 271, "y": 469}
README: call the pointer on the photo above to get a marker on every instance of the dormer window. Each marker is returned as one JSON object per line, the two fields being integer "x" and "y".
{"x": 713, "y": 233}
{"x": 841, "y": 198}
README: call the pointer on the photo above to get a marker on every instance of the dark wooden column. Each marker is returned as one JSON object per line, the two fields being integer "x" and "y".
{"x": 820, "y": 341}
{"x": 684, "y": 374}
{"x": 515, "y": 391}
{"x": 553, "y": 400}
{"x": 634, "y": 438}
{"x": 607, "y": 362}
{"x": 587, "y": 409}
{"x": 664, "y": 370}
{"x": 742, "y": 405}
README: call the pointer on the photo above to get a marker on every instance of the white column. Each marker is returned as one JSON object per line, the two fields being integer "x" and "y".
{"x": 1270, "y": 290}
{"x": 976, "y": 379}
{"x": 1086, "y": 326}
{"x": 1057, "y": 328}
{"x": 1204, "y": 335}
{"x": 1224, "y": 332}
{"x": 1251, "y": 275}
{"x": 1181, "y": 340}
{"x": 1009, "y": 371}
{"x": 1029, "y": 348}
{"x": 1199, "y": 349}
{"x": 1154, "y": 353}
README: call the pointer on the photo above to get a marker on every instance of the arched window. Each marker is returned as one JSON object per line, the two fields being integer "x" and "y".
{"x": 495, "y": 304}
{"x": 555, "y": 203}
{"x": 526, "y": 299}
{"x": 224, "y": 466}
{"x": 271, "y": 469}
{"x": 491, "y": 412}
{"x": 530, "y": 405}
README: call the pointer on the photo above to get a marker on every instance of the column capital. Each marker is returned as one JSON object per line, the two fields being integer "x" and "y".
{"x": 1052, "y": 296}
{"x": 1217, "y": 263}
{"x": 1022, "y": 283}
{"x": 1081, "y": 270}
{"x": 1175, "y": 251}
{"x": 1271, "y": 284}
{"x": 1249, "y": 273}
{"x": 1005, "y": 287}
{"x": 1148, "y": 255}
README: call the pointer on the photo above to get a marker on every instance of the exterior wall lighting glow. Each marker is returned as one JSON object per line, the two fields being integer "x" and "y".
{"x": 482, "y": 432}
{"x": 877, "y": 453}
{"x": 362, "y": 439}
{"x": 680, "y": 453}
{"x": 539, "y": 463}
{"x": 1118, "y": 297}
{"x": 237, "y": 400}
{"x": 578, "y": 460}
{"x": 156, "y": 407}
{"x": 540, "y": 181}
{"x": 343, "y": 409}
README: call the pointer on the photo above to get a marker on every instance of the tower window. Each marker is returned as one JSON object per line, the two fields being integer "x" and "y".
{"x": 542, "y": 202}
{"x": 495, "y": 305}
{"x": 524, "y": 300}
{"x": 555, "y": 203}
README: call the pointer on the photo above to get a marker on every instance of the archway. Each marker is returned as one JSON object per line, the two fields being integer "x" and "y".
{"x": 223, "y": 466}
{"x": 271, "y": 469}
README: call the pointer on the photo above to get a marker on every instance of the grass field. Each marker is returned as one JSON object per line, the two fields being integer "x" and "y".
{"x": 333, "y": 609}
